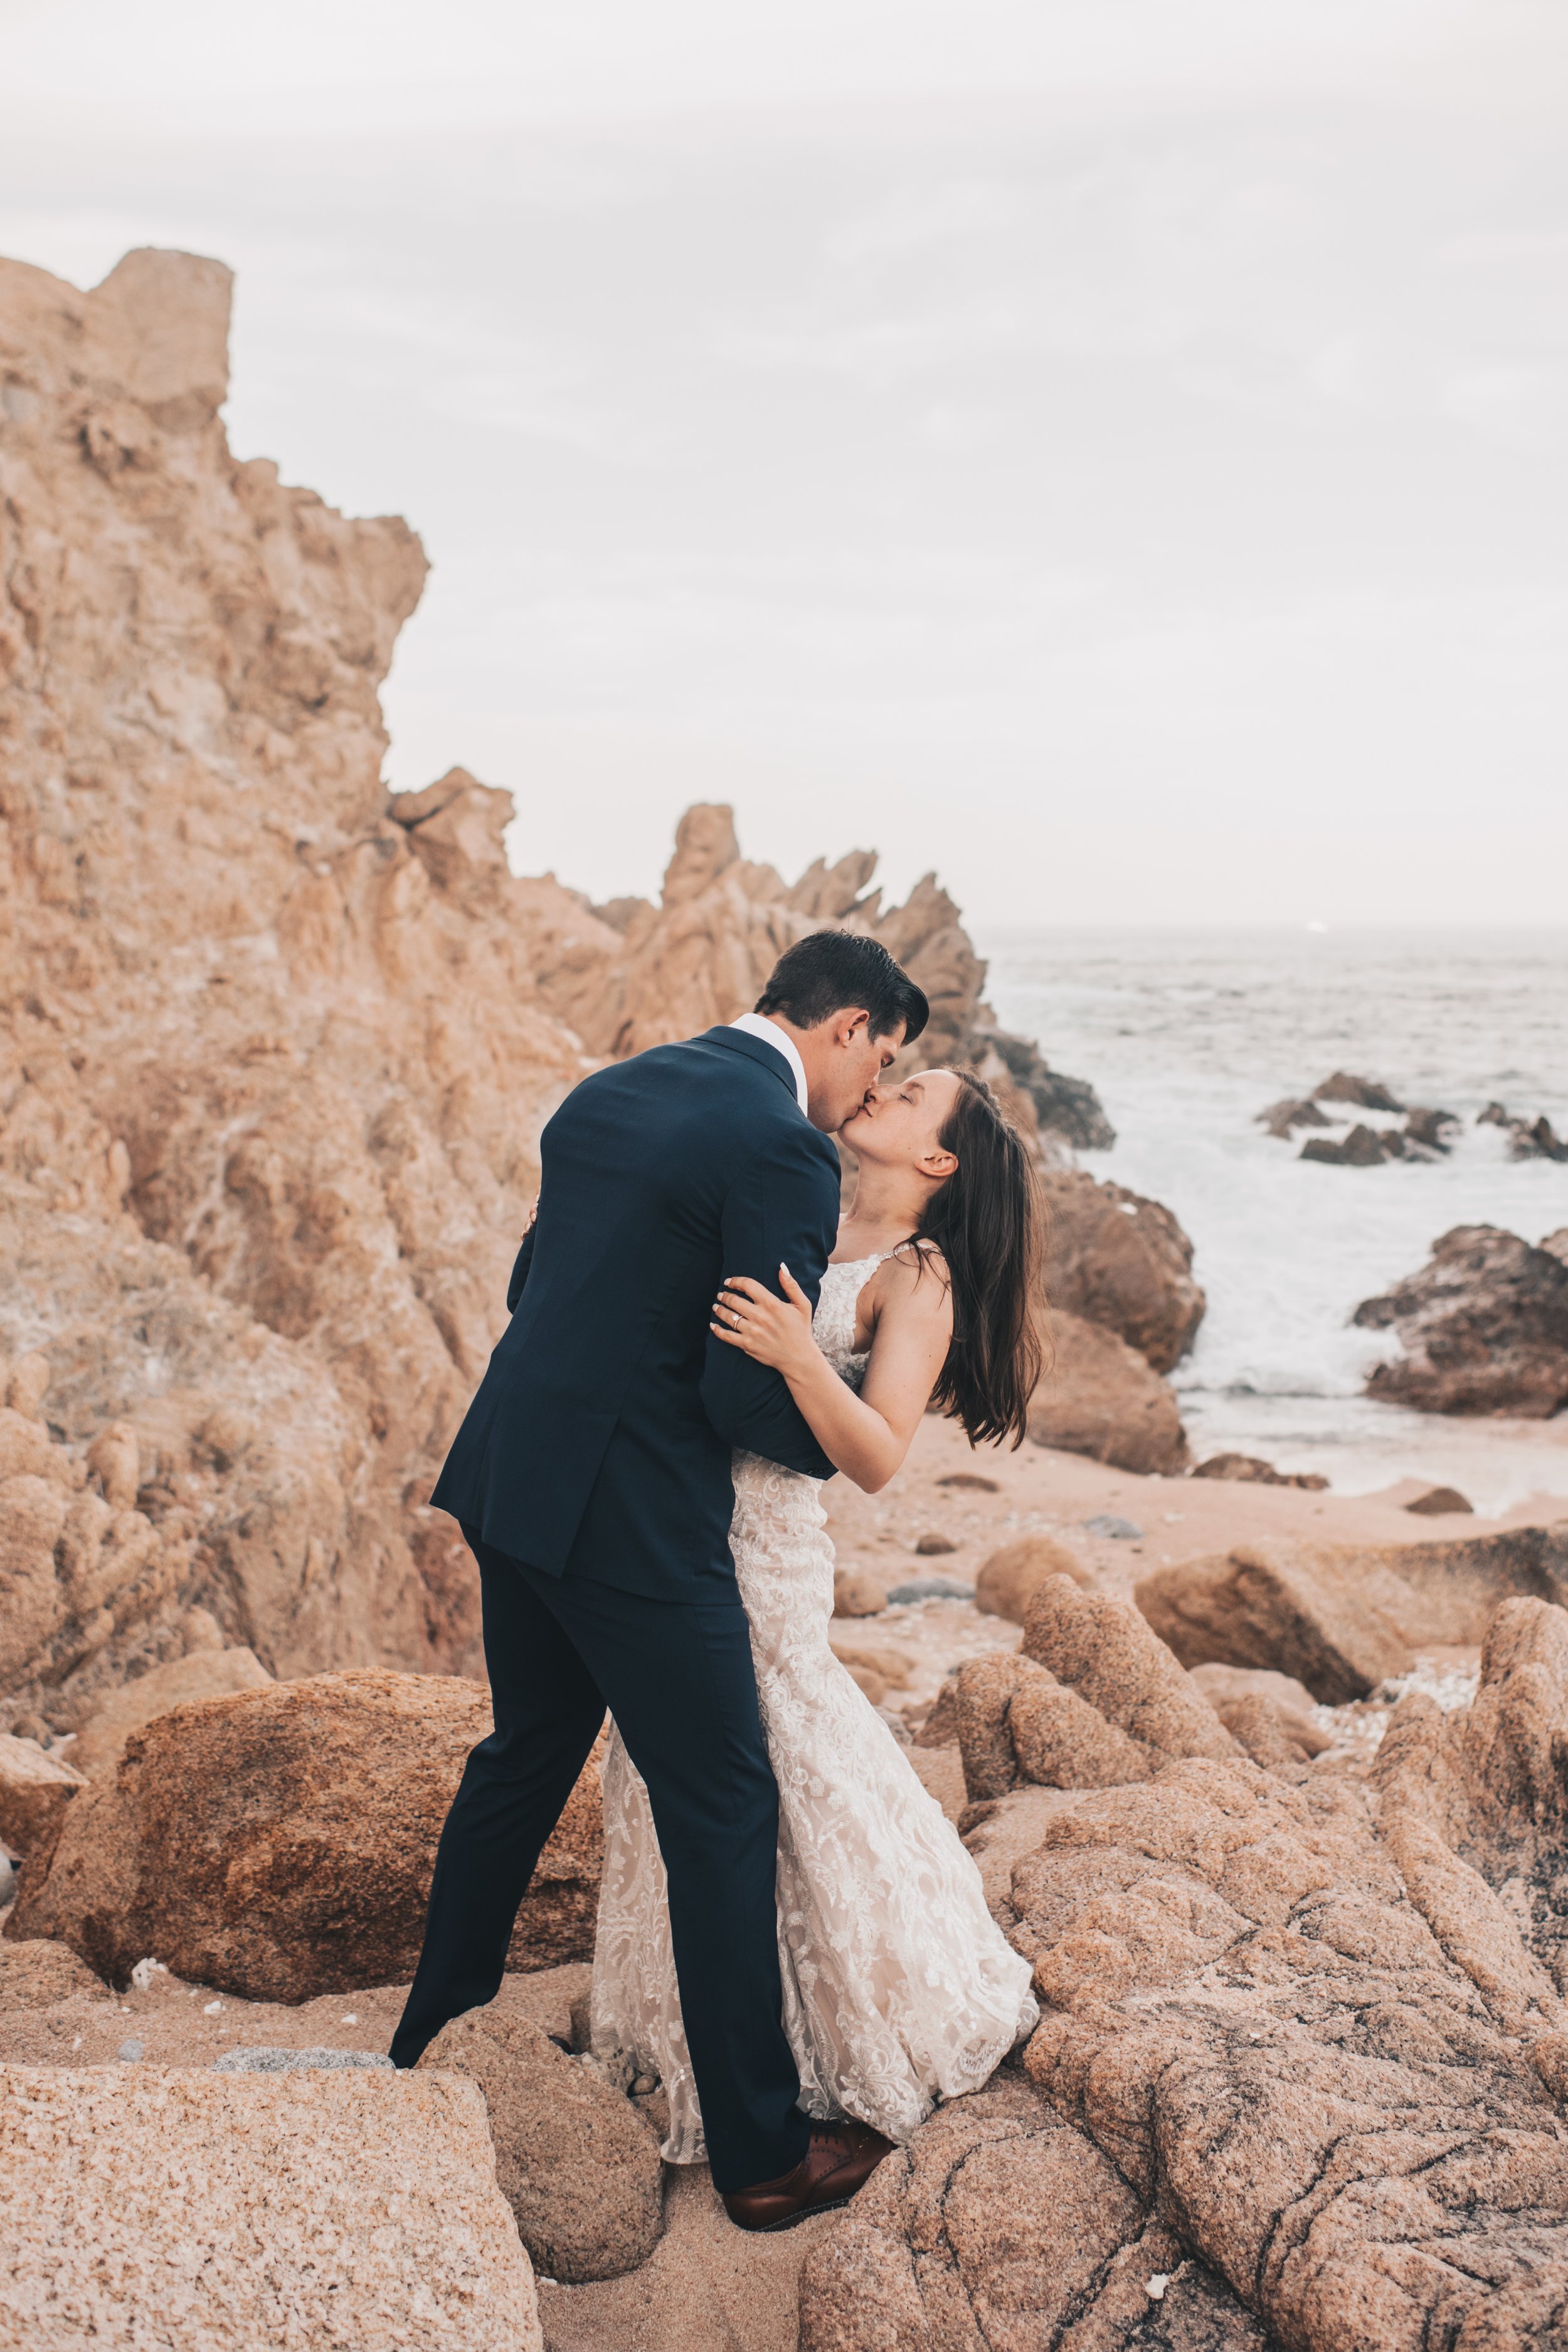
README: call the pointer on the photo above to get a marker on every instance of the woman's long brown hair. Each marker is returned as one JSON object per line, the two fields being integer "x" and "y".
{"x": 988, "y": 1222}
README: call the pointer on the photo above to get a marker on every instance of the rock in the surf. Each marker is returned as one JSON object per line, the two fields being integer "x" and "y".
{"x": 1482, "y": 1328}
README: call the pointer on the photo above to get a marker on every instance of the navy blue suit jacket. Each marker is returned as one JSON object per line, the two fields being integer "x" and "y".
{"x": 599, "y": 1442}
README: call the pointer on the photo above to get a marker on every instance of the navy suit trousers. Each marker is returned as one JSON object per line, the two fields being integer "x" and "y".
{"x": 678, "y": 1677}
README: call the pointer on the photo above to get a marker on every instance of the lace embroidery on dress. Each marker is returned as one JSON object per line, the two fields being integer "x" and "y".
{"x": 899, "y": 1987}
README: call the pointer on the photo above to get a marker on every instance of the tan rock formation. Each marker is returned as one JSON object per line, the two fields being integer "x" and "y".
{"x": 275, "y": 1050}
{"x": 279, "y": 1843}
{"x": 1011, "y": 1577}
{"x": 1340, "y": 1618}
{"x": 1315, "y": 2030}
{"x": 577, "y": 2164}
{"x": 1101, "y": 1398}
{"x": 1119, "y": 1260}
{"x": 1006, "y": 2225}
{"x": 202, "y": 2211}
{"x": 38, "y": 1974}
{"x": 205, "y": 1673}
{"x": 1304, "y": 1613}
{"x": 1105, "y": 1650}
{"x": 35, "y": 1790}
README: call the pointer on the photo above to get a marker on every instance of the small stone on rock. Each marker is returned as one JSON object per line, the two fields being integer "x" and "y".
{"x": 930, "y": 1588}
{"x": 131, "y": 2051}
{"x": 1156, "y": 2286}
{"x": 263, "y": 2059}
{"x": 932, "y": 1547}
{"x": 1106, "y": 1523}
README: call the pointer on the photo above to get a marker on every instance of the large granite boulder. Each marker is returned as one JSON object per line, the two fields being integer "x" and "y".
{"x": 1314, "y": 2028}
{"x": 1006, "y": 2225}
{"x": 1305, "y": 1612}
{"x": 1342, "y": 1617}
{"x": 1011, "y": 1576}
{"x": 279, "y": 1843}
{"x": 1100, "y": 1397}
{"x": 1483, "y": 1329}
{"x": 1115, "y": 1258}
{"x": 217, "y": 2212}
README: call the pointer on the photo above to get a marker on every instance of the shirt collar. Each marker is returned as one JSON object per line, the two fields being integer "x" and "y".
{"x": 757, "y": 1024}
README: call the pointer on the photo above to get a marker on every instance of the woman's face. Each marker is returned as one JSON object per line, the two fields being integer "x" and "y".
{"x": 900, "y": 1126}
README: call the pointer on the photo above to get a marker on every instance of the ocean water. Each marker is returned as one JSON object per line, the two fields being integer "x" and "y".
{"x": 1187, "y": 1036}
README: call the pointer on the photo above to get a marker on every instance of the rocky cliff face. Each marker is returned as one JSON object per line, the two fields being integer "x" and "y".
{"x": 275, "y": 1051}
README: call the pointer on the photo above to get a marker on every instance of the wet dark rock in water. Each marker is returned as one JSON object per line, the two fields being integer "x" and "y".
{"x": 1528, "y": 1139}
{"x": 1434, "y": 1129}
{"x": 1282, "y": 1117}
{"x": 1483, "y": 1326}
{"x": 1248, "y": 1470}
{"x": 1066, "y": 1107}
{"x": 1366, "y": 1094}
{"x": 1363, "y": 1147}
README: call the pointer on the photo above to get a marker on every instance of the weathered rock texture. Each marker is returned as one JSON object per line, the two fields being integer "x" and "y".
{"x": 1341, "y": 1618}
{"x": 1121, "y": 1261}
{"x": 279, "y": 1843}
{"x": 1011, "y": 1577}
{"x": 1093, "y": 1701}
{"x": 1100, "y": 1397}
{"x": 205, "y": 1673}
{"x": 1312, "y": 2029}
{"x": 1004, "y": 2225}
{"x": 1483, "y": 1327}
{"x": 38, "y": 1974}
{"x": 197, "y": 2212}
{"x": 576, "y": 2162}
{"x": 35, "y": 1790}
{"x": 275, "y": 1049}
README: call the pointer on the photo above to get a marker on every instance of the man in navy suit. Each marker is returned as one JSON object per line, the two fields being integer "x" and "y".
{"x": 592, "y": 1480}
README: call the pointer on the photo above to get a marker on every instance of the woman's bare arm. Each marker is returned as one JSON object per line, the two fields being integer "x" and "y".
{"x": 866, "y": 1437}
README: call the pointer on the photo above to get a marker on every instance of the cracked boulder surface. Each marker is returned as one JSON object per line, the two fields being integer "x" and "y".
{"x": 1306, "y": 2022}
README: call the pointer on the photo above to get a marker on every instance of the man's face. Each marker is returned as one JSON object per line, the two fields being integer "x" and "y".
{"x": 850, "y": 1070}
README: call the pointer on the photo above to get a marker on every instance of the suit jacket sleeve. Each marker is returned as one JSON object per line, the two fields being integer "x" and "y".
{"x": 784, "y": 1205}
{"x": 521, "y": 1265}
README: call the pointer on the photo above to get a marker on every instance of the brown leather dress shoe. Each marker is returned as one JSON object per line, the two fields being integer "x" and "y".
{"x": 840, "y": 2159}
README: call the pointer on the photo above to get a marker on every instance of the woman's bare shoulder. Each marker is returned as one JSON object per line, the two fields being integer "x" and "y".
{"x": 916, "y": 1276}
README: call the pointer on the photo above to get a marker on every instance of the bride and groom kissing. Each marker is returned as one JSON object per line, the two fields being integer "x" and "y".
{"x": 789, "y": 1934}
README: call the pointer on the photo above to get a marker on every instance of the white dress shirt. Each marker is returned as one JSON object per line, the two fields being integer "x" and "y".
{"x": 757, "y": 1024}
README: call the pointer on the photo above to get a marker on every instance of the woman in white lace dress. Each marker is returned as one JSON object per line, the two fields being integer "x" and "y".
{"x": 899, "y": 1987}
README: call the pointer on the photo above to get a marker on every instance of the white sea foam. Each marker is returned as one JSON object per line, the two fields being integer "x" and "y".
{"x": 1188, "y": 1036}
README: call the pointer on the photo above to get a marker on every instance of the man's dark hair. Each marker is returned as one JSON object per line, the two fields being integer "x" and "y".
{"x": 828, "y": 970}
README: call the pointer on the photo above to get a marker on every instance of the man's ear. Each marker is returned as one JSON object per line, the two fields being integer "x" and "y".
{"x": 850, "y": 1025}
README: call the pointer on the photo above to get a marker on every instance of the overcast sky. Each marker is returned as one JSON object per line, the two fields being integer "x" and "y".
{"x": 1111, "y": 450}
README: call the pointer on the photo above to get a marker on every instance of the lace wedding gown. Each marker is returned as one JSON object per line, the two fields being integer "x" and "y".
{"x": 898, "y": 1987}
